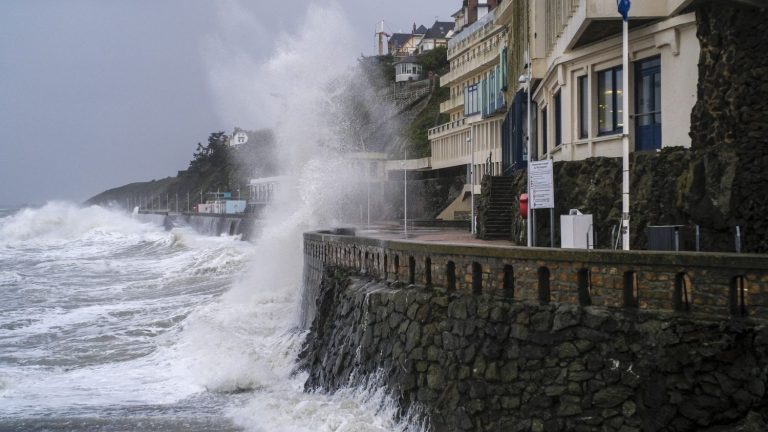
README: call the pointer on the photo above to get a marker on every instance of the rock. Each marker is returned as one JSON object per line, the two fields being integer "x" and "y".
{"x": 628, "y": 408}
{"x": 611, "y": 396}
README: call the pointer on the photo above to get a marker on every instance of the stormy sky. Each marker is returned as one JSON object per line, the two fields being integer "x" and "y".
{"x": 98, "y": 93}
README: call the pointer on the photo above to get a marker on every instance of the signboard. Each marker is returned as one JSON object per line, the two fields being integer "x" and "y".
{"x": 542, "y": 184}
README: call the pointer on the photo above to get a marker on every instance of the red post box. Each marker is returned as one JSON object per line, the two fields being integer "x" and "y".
{"x": 524, "y": 206}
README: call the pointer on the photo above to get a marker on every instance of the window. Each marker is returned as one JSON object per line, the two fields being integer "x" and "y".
{"x": 471, "y": 100}
{"x": 558, "y": 118}
{"x": 583, "y": 107}
{"x": 609, "y": 101}
{"x": 544, "y": 130}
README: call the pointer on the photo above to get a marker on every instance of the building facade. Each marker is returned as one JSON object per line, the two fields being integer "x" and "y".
{"x": 575, "y": 49}
{"x": 476, "y": 106}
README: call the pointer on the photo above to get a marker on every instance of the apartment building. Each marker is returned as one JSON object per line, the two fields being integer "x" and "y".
{"x": 575, "y": 47}
{"x": 476, "y": 105}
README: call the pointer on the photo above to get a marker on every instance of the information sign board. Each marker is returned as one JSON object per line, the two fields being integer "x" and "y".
{"x": 542, "y": 184}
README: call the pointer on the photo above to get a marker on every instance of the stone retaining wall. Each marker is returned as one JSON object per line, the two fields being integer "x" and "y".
{"x": 489, "y": 363}
{"x": 496, "y": 354}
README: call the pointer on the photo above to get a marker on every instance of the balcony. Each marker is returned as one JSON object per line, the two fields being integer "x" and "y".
{"x": 452, "y": 104}
{"x": 483, "y": 57}
{"x": 574, "y": 23}
{"x": 470, "y": 34}
{"x": 446, "y": 128}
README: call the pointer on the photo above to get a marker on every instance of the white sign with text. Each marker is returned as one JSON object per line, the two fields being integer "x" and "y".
{"x": 542, "y": 184}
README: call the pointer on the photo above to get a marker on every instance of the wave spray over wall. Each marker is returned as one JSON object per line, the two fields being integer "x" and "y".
{"x": 248, "y": 340}
{"x": 110, "y": 324}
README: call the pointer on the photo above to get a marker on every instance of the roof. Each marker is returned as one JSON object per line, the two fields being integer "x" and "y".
{"x": 440, "y": 30}
{"x": 421, "y": 30}
{"x": 400, "y": 39}
{"x": 409, "y": 59}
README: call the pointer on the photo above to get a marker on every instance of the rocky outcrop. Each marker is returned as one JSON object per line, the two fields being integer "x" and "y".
{"x": 489, "y": 363}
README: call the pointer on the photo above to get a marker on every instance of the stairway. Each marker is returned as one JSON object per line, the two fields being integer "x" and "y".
{"x": 497, "y": 208}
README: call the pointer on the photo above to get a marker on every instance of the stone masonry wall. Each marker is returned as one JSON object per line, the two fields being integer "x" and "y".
{"x": 729, "y": 125}
{"x": 508, "y": 349}
{"x": 489, "y": 363}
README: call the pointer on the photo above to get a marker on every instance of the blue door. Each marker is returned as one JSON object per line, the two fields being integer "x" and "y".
{"x": 648, "y": 104}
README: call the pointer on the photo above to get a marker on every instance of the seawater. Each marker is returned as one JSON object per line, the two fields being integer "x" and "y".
{"x": 110, "y": 324}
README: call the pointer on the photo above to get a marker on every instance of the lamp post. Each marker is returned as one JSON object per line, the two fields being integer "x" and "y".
{"x": 625, "y": 137}
{"x": 471, "y": 143}
{"x": 526, "y": 79}
{"x": 405, "y": 194}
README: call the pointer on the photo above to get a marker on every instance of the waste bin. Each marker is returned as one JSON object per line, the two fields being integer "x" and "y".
{"x": 576, "y": 230}
{"x": 665, "y": 237}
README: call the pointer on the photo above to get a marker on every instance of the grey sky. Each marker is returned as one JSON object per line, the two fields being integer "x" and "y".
{"x": 98, "y": 93}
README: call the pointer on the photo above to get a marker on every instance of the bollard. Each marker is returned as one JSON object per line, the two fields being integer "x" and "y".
{"x": 698, "y": 244}
{"x": 677, "y": 240}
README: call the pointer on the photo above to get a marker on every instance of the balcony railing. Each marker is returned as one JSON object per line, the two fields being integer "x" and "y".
{"x": 477, "y": 29}
{"x": 486, "y": 55}
{"x": 452, "y": 103}
{"x": 445, "y": 127}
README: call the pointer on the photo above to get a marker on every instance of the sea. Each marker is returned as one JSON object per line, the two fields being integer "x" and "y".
{"x": 109, "y": 323}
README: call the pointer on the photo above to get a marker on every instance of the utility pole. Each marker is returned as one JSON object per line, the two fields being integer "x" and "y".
{"x": 405, "y": 194}
{"x": 623, "y": 6}
{"x": 471, "y": 143}
{"x": 529, "y": 145}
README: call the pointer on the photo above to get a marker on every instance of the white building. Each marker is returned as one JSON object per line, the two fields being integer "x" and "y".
{"x": 407, "y": 69}
{"x": 576, "y": 50}
{"x": 476, "y": 106}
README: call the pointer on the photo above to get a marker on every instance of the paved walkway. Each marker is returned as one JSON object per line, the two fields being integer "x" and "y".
{"x": 444, "y": 235}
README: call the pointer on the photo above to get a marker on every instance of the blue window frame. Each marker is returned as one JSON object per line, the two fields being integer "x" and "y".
{"x": 471, "y": 100}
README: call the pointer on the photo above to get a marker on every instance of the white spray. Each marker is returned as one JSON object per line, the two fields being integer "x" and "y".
{"x": 247, "y": 340}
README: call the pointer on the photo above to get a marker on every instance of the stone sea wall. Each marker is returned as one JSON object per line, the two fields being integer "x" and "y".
{"x": 480, "y": 338}
{"x": 489, "y": 363}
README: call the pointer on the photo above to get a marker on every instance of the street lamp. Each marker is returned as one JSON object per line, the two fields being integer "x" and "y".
{"x": 526, "y": 79}
{"x": 471, "y": 143}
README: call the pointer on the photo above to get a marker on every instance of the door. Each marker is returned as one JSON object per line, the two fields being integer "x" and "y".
{"x": 648, "y": 104}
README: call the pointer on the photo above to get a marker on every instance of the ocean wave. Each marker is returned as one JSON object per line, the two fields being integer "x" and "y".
{"x": 57, "y": 222}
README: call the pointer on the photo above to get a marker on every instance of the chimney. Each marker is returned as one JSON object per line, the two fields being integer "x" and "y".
{"x": 482, "y": 9}
{"x": 471, "y": 11}
{"x": 414, "y": 29}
